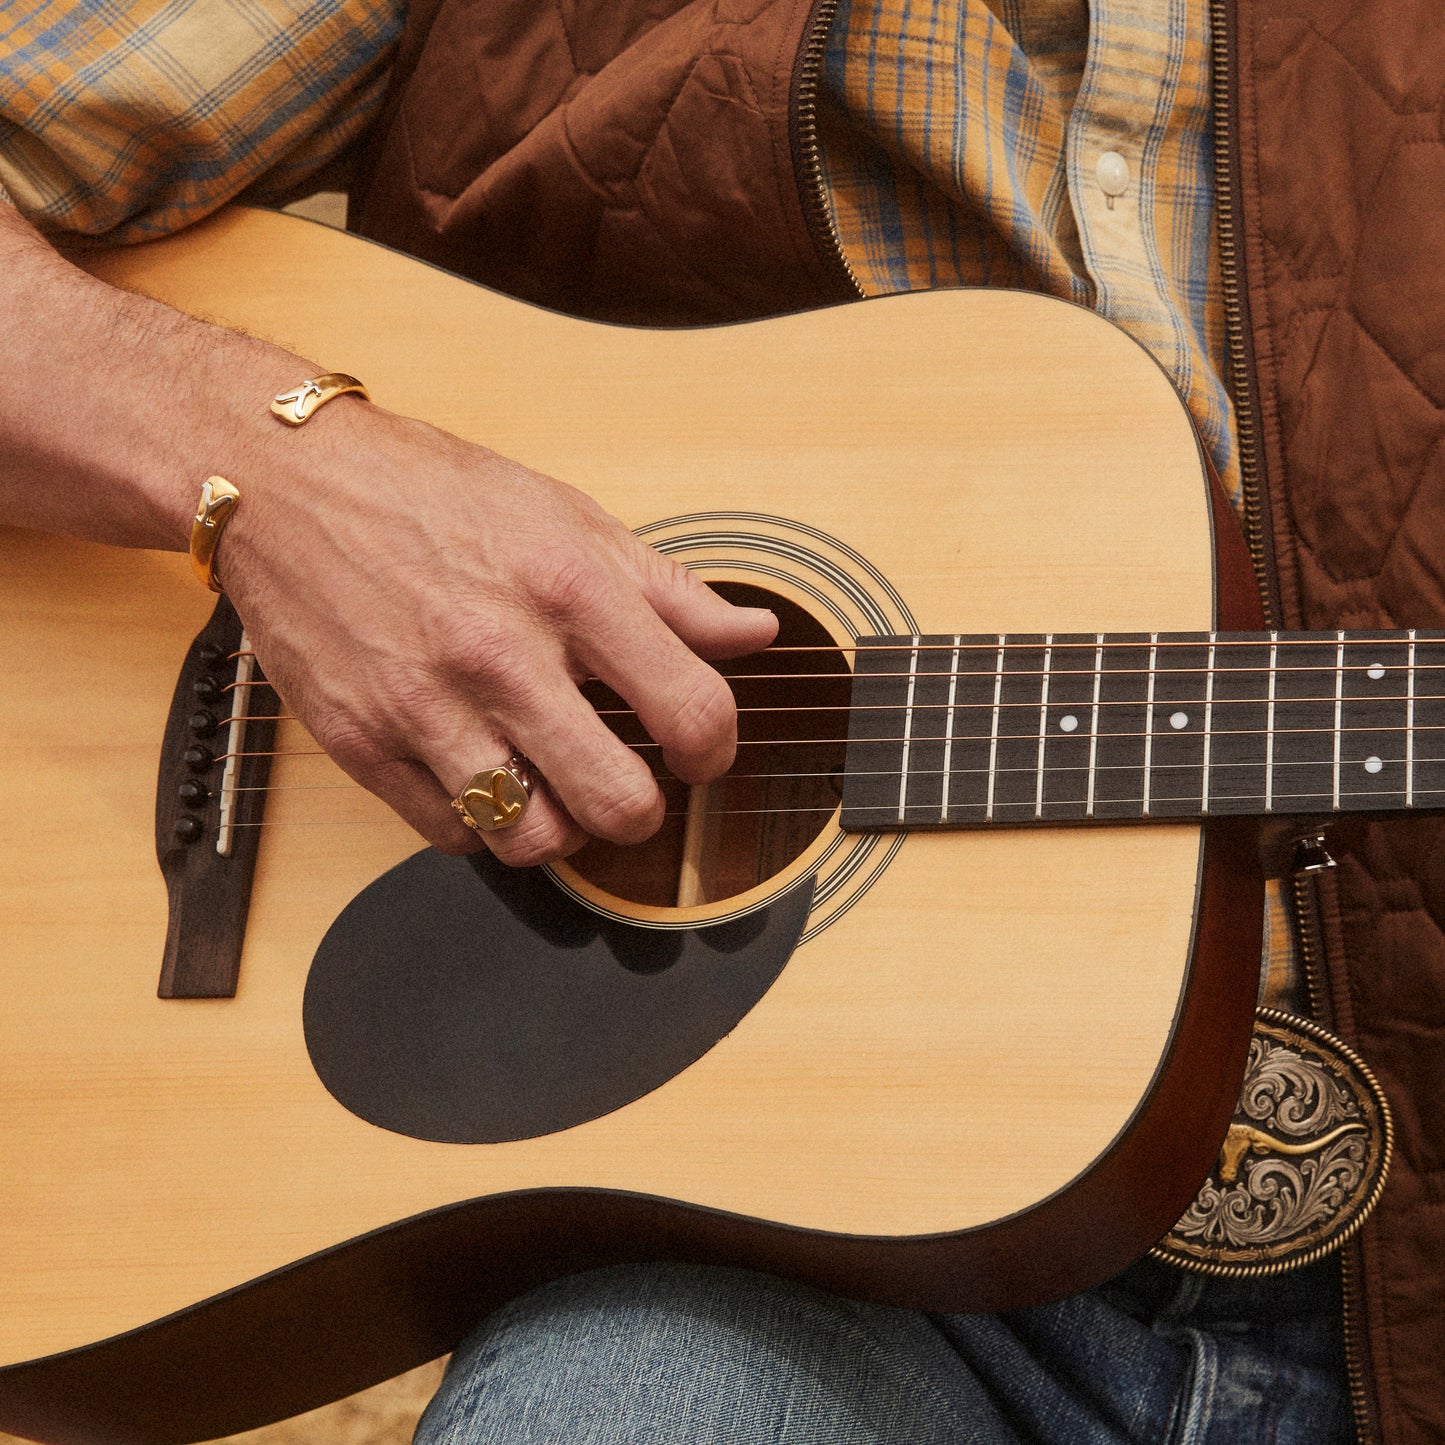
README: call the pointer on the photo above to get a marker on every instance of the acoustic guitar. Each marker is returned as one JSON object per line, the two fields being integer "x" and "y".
{"x": 941, "y": 997}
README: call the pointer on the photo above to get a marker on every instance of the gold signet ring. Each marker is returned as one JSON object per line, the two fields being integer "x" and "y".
{"x": 495, "y": 798}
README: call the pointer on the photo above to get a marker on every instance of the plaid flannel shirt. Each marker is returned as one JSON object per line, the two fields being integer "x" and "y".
{"x": 129, "y": 119}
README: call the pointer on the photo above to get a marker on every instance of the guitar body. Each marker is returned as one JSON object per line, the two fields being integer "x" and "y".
{"x": 985, "y": 1068}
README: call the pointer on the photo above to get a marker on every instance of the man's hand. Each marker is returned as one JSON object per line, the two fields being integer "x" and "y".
{"x": 425, "y": 607}
{"x": 422, "y": 605}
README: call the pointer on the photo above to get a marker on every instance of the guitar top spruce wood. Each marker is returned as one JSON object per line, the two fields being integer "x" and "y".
{"x": 941, "y": 997}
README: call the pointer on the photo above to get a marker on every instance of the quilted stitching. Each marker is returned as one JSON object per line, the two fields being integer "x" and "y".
{"x": 1343, "y": 180}
{"x": 626, "y": 162}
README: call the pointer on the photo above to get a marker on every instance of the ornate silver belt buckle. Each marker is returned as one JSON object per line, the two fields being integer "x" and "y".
{"x": 1303, "y": 1163}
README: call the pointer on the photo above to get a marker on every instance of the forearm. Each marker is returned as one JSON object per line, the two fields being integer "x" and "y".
{"x": 422, "y": 605}
{"x": 114, "y": 408}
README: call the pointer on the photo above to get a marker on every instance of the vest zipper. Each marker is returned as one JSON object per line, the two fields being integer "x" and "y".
{"x": 1240, "y": 356}
{"x": 1304, "y": 894}
{"x": 807, "y": 153}
{"x": 1244, "y": 394}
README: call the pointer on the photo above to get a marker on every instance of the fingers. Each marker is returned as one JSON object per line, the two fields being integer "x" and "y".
{"x": 709, "y": 625}
{"x": 681, "y": 701}
{"x": 588, "y": 781}
{"x": 606, "y": 788}
{"x": 610, "y": 626}
{"x": 543, "y": 833}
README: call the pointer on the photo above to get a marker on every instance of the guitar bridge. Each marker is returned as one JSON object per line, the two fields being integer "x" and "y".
{"x": 209, "y": 800}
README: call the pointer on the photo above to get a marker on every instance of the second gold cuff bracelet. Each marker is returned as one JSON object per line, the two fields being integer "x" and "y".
{"x": 219, "y": 497}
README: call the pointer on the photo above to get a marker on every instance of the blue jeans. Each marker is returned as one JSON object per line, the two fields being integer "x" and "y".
{"x": 683, "y": 1355}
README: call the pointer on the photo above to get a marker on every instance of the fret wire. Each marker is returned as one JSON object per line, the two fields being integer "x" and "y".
{"x": 948, "y": 728}
{"x": 1269, "y": 725}
{"x": 1339, "y": 710}
{"x": 1208, "y": 722}
{"x": 1043, "y": 721}
{"x": 1149, "y": 716}
{"x": 1410, "y": 723}
{"x": 907, "y": 731}
{"x": 1094, "y": 720}
{"x": 993, "y": 731}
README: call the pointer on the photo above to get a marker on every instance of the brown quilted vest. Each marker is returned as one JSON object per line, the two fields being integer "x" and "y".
{"x": 629, "y": 160}
{"x": 639, "y": 160}
{"x": 1340, "y": 174}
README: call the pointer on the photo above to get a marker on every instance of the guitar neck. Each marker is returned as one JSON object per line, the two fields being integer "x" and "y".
{"x": 966, "y": 731}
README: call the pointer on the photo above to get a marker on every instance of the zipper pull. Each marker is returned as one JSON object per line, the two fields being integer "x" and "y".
{"x": 1311, "y": 856}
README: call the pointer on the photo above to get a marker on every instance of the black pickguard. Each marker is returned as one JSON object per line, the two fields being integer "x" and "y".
{"x": 467, "y": 1003}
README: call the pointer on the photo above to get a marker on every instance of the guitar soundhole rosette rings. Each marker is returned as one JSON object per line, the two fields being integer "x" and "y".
{"x": 495, "y": 798}
{"x": 1302, "y": 1165}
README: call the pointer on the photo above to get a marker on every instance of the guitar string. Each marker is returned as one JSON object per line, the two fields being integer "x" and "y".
{"x": 995, "y": 643}
{"x": 1086, "y": 641}
{"x": 1033, "y": 704}
{"x": 991, "y": 673}
{"x": 1022, "y": 703}
{"x": 891, "y": 810}
{"x": 1029, "y": 737}
{"x": 666, "y": 780}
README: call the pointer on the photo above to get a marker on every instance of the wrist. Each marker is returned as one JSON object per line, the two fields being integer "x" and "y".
{"x": 115, "y": 408}
{"x": 285, "y": 470}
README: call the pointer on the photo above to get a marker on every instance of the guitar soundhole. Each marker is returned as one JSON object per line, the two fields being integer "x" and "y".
{"x": 780, "y": 794}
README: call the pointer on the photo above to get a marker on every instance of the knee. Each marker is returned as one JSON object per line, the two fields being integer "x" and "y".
{"x": 662, "y": 1353}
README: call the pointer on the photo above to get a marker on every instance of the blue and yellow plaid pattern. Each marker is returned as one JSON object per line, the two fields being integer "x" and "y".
{"x": 128, "y": 119}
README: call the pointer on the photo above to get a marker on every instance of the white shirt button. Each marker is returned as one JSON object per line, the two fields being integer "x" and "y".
{"x": 1113, "y": 174}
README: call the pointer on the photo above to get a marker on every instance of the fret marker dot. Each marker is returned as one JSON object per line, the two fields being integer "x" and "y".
{"x": 1376, "y": 672}
{"x": 1373, "y": 765}
{"x": 1068, "y": 722}
{"x": 1178, "y": 720}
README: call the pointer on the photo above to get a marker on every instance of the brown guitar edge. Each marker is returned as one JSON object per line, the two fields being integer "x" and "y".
{"x": 347, "y": 1317}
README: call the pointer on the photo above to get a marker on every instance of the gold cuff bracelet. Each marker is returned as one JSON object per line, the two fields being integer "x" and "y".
{"x": 302, "y": 402}
{"x": 218, "y": 502}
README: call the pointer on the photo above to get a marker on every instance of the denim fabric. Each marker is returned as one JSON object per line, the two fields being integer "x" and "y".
{"x": 682, "y": 1355}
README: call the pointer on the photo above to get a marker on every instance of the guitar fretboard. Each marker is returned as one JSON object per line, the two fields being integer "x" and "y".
{"x": 961, "y": 731}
